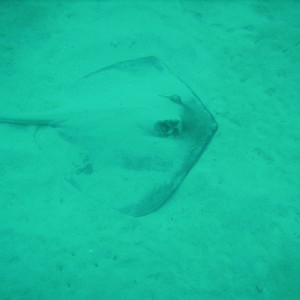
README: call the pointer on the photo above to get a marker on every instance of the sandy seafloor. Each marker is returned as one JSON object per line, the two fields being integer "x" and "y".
{"x": 231, "y": 231}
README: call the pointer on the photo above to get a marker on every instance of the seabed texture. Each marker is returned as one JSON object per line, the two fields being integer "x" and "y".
{"x": 221, "y": 214}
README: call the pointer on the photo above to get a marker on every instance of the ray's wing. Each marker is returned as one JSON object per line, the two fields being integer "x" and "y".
{"x": 135, "y": 155}
{"x": 138, "y": 132}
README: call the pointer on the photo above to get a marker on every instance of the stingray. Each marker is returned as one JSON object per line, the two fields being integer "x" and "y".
{"x": 126, "y": 135}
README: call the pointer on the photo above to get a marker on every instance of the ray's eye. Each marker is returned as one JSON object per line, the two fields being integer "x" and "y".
{"x": 176, "y": 99}
{"x": 167, "y": 128}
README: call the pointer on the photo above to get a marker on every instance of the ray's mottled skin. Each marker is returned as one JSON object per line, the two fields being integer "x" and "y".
{"x": 196, "y": 134}
{"x": 194, "y": 129}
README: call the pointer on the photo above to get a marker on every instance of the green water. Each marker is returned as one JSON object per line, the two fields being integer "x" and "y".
{"x": 231, "y": 229}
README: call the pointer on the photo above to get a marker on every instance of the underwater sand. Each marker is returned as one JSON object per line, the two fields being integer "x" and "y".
{"x": 232, "y": 229}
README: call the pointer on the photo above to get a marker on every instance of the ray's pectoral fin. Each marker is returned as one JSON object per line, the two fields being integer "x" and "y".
{"x": 118, "y": 141}
{"x": 195, "y": 129}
